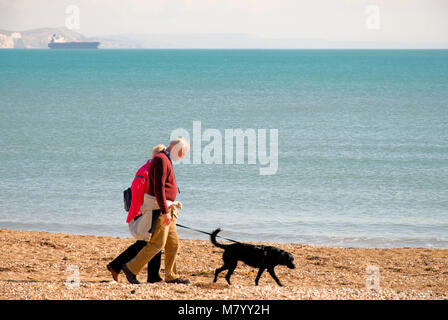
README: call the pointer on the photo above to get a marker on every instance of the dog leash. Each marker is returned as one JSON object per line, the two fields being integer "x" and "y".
{"x": 179, "y": 225}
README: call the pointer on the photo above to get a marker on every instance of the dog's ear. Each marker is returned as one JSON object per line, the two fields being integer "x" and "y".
{"x": 277, "y": 255}
{"x": 287, "y": 257}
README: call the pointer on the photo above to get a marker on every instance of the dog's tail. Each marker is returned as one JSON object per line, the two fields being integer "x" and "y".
{"x": 213, "y": 239}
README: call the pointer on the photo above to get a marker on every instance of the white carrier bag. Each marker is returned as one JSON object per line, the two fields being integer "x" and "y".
{"x": 140, "y": 226}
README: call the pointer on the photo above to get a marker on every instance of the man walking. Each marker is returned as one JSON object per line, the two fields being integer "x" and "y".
{"x": 163, "y": 186}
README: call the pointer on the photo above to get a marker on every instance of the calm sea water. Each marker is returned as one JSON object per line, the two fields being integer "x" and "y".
{"x": 362, "y": 145}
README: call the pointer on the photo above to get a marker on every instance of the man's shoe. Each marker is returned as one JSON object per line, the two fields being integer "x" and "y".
{"x": 113, "y": 272}
{"x": 155, "y": 280}
{"x": 129, "y": 275}
{"x": 179, "y": 281}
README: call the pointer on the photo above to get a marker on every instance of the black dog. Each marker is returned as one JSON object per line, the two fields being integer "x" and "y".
{"x": 257, "y": 256}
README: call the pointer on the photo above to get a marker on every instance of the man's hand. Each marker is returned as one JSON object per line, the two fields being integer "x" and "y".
{"x": 178, "y": 204}
{"x": 167, "y": 219}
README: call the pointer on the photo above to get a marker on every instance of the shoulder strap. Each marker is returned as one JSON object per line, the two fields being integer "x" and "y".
{"x": 139, "y": 176}
{"x": 167, "y": 154}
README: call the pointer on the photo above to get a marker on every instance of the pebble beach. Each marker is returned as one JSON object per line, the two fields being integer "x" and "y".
{"x": 42, "y": 265}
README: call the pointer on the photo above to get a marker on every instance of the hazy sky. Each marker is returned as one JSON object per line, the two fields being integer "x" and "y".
{"x": 417, "y": 21}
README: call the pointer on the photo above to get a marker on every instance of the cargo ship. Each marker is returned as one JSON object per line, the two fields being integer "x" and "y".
{"x": 60, "y": 43}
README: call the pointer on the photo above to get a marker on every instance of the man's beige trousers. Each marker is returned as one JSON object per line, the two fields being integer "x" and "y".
{"x": 163, "y": 237}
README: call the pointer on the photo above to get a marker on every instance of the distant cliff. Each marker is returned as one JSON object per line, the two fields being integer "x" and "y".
{"x": 9, "y": 40}
{"x": 35, "y": 39}
{"x": 39, "y": 38}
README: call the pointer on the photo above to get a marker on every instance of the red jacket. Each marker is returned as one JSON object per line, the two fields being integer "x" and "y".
{"x": 138, "y": 188}
{"x": 162, "y": 181}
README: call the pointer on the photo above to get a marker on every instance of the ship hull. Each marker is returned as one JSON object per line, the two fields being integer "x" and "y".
{"x": 73, "y": 45}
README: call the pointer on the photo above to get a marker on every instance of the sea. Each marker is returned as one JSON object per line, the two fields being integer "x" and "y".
{"x": 359, "y": 142}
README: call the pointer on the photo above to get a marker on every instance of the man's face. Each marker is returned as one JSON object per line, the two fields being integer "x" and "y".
{"x": 179, "y": 152}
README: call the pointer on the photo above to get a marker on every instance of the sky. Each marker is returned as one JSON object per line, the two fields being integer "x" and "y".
{"x": 403, "y": 21}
